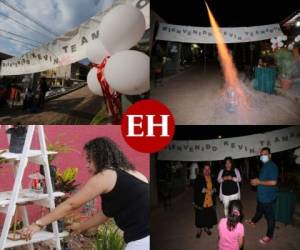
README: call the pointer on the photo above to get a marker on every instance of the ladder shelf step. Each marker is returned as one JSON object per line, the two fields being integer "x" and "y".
{"x": 37, "y": 237}
{"x": 26, "y": 196}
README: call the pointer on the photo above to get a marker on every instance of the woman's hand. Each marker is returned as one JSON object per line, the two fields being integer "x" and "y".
{"x": 227, "y": 178}
{"x": 74, "y": 227}
{"x": 28, "y": 232}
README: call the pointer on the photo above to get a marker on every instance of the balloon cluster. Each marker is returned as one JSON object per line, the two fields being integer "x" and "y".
{"x": 278, "y": 42}
{"x": 125, "y": 71}
{"x": 297, "y": 38}
{"x": 297, "y": 154}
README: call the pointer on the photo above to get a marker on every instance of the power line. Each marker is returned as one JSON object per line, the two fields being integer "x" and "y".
{"x": 16, "y": 40}
{"x": 28, "y": 17}
{"x": 24, "y": 25}
{"x": 17, "y": 35}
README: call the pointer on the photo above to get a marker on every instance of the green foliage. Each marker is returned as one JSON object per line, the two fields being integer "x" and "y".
{"x": 65, "y": 181}
{"x": 109, "y": 237}
{"x": 58, "y": 147}
{"x": 2, "y": 159}
{"x": 101, "y": 117}
{"x": 285, "y": 62}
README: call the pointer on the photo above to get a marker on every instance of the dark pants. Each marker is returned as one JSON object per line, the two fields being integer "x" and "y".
{"x": 267, "y": 210}
{"x": 42, "y": 99}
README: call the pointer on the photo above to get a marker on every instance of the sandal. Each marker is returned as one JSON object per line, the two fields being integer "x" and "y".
{"x": 265, "y": 240}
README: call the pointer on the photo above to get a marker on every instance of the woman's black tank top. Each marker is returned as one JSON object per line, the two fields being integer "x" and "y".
{"x": 129, "y": 204}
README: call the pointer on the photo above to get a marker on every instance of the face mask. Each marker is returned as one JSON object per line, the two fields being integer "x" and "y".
{"x": 264, "y": 158}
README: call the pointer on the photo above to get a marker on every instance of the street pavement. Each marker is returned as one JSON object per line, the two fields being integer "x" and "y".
{"x": 77, "y": 107}
{"x": 197, "y": 98}
{"x": 174, "y": 229}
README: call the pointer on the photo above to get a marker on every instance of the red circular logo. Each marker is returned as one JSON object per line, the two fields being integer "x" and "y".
{"x": 148, "y": 126}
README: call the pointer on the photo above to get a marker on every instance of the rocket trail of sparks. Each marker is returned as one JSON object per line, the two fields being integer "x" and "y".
{"x": 226, "y": 60}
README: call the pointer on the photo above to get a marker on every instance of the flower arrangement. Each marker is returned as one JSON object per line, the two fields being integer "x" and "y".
{"x": 65, "y": 181}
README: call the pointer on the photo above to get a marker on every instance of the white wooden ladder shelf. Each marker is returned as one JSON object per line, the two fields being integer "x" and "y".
{"x": 9, "y": 200}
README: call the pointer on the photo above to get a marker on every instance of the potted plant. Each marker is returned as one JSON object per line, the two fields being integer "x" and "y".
{"x": 285, "y": 62}
{"x": 17, "y": 139}
{"x": 109, "y": 237}
{"x": 58, "y": 147}
{"x": 64, "y": 182}
{"x": 61, "y": 181}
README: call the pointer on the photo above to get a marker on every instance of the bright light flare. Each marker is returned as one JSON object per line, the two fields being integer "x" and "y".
{"x": 226, "y": 61}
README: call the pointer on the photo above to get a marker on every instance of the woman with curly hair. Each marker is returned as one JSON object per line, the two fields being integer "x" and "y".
{"x": 123, "y": 190}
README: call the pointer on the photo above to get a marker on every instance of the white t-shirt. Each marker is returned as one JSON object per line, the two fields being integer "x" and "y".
{"x": 193, "y": 174}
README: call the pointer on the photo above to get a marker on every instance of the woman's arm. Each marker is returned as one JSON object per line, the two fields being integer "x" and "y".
{"x": 238, "y": 177}
{"x": 93, "y": 221}
{"x": 94, "y": 187}
{"x": 220, "y": 179}
{"x": 241, "y": 241}
{"x": 98, "y": 184}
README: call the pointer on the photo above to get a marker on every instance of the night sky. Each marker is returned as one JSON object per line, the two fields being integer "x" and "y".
{"x": 228, "y": 13}
{"x": 193, "y": 132}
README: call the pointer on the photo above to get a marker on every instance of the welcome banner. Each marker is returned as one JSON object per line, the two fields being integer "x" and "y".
{"x": 189, "y": 34}
{"x": 236, "y": 147}
{"x": 67, "y": 49}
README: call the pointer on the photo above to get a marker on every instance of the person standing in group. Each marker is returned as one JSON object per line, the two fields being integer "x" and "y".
{"x": 266, "y": 194}
{"x": 231, "y": 230}
{"x": 204, "y": 201}
{"x": 194, "y": 170}
{"x": 43, "y": 90}
{"x": 229, "y": 179}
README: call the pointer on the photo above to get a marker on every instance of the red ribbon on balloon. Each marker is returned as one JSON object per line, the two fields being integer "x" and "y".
{"x": 112, "y": 98}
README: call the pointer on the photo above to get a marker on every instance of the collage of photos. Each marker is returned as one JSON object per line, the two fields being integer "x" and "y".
{"x": 149, "y": 124}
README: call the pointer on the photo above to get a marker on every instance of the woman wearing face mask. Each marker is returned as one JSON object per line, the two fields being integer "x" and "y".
{"x": 124, "y": 192}
{"x": 204, "y": 201}
{"x": 229, "y": 179}
{"x": 266, "y": 194}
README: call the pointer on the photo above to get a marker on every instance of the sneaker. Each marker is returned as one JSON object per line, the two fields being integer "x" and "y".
{"x": 265, "y": 240}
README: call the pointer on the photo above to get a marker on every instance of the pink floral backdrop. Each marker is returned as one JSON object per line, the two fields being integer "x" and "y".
{"x": 75, "y": 137}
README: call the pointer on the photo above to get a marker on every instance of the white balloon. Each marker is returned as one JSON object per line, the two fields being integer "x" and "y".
{"x": 280, "y": 44}
{"x": 122, "y": 28}
{"x": 297, "y": 152}
{"x": 284, "y": 38}
{"x": 274, "y": 46}
{"x": 297, "y": 160}
{"x": 93, "y": 82}
{"x": 128, "y": 72}
{"x": 273, "y": 40}
{"x": 279, "y": 39}
{"x": 96, "y": 52}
